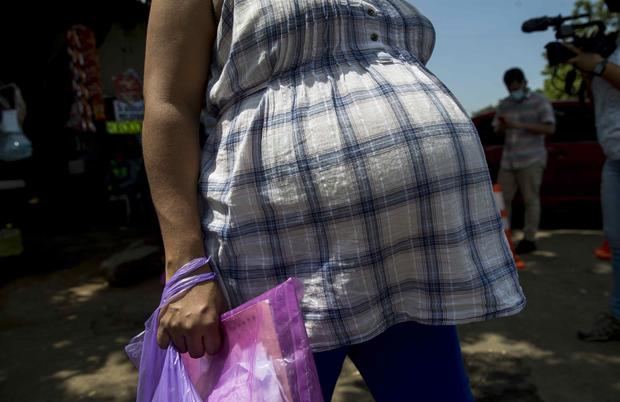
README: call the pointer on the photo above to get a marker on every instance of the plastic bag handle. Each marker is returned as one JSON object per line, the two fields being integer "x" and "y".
{"x": 182, "y": 280}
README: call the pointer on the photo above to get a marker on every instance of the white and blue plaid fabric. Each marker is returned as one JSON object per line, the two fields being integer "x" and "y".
{"x": 339, "y": 159}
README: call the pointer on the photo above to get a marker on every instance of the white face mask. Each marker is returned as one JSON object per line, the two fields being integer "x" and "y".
{"x": 519, "y": 94}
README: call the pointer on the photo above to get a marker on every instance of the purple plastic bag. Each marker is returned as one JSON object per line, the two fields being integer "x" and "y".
{"x": 265, "y": 355}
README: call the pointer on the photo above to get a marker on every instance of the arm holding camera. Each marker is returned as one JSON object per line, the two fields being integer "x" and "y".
{"x": 588, "y": 62}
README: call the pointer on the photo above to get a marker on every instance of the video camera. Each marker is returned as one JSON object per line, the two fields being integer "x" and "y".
{"x": 590, "y": 36}
{"x": 596, "y": 41}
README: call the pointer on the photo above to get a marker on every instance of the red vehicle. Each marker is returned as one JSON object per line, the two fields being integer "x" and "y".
{"x": 573, "y": 174}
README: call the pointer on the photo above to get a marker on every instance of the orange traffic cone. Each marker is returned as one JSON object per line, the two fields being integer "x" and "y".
{"x": 499, "y": 200}
{"x": 604, "y": 251}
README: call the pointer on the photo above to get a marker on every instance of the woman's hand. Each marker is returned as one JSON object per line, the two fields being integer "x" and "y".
{"x": 192, "y": 323}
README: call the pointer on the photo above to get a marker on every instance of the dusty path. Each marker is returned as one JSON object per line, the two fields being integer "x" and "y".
{"x": 63, "y": 332}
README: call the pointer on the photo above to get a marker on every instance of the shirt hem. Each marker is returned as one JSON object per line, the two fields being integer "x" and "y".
{"x": 510, "y": 311}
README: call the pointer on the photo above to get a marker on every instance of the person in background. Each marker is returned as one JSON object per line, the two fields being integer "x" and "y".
{"x": 525, "y": 118}
{"x": 605, "y": 82}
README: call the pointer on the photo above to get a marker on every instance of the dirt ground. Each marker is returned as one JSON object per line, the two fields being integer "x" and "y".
{"x": 63, "y": 332}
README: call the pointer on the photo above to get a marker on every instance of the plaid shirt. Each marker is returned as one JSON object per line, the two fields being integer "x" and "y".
{"x": 339, "y": 159}
{"x": 523, "y": 148}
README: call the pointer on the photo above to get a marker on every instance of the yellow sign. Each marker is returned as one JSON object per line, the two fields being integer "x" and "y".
{"x": 124, "y": 127}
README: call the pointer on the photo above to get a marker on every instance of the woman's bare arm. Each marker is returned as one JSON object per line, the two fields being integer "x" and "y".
{"x": 179, "y": 41}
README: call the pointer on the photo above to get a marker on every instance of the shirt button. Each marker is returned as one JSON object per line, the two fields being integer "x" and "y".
{"x": 372, "y": 12}
{"x": 374, "y": 37}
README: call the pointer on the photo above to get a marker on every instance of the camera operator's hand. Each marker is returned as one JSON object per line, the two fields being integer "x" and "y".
{"x": 586, "y": 62}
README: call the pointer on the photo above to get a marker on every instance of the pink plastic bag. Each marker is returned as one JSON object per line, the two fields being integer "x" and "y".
{"x": 265, "y": 356}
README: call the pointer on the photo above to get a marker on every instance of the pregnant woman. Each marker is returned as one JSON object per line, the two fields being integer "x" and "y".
{"x": 336, "y": 158}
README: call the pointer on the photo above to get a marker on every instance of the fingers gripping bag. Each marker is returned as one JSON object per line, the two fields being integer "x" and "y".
{"x": 265, "y": 354}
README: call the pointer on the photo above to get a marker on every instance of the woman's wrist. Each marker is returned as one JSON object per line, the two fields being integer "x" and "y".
{"x": 174, "y": 265}
{"x": 176, "y": 257}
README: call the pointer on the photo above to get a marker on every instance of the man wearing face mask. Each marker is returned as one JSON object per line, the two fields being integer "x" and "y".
{"x": 525, "y": 118}
{"x": 604, "y": 75}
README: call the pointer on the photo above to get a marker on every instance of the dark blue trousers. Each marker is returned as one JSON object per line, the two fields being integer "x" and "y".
{"x": 410, "y": 362}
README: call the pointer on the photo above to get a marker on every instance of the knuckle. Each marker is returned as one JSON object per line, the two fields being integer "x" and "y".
{"x": 186, "y": 328}
{"x": 165, "y": 322}
{"x": 205, "y": 309}
{"x": 209, "y": 324}
{"x": 175, "y": 327}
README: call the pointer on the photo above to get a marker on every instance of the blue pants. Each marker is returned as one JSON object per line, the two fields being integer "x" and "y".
{"x": 410, "y": 362}
{"x": 611, "y": 222}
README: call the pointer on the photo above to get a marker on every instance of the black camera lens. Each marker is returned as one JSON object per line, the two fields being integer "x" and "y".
{"x": 613, "y": 5}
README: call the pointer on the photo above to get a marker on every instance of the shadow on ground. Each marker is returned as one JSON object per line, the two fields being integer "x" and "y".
{"x": 63, "y": 332}
{"x": 566, "y": 288}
